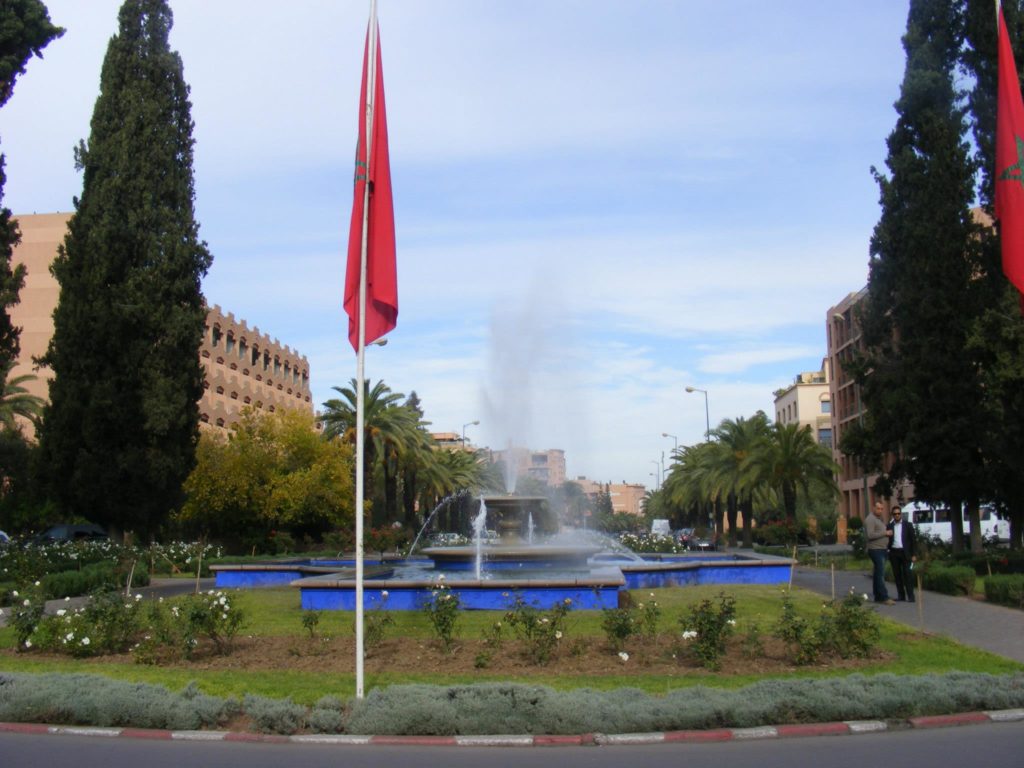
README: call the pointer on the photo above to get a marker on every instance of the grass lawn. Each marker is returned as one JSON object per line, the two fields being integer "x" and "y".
{"x": 275, "y": 613}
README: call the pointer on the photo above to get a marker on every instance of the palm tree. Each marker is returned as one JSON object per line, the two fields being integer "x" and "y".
{"x": 390, "y": 430}
{"x": 16, "y": 401}
{"x": 788, "y": 459}
{"x": 735, "y": 440}
{"x": 692, "y": 483}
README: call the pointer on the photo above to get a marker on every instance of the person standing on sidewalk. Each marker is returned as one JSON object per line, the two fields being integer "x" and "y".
{"x": 876, "y": 535}
{"x": 901, "y": 554}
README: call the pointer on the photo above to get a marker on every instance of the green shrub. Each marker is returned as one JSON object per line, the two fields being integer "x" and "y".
{"x": 274, "y": 715}
{"x": 991, "y": 561}
{"x": 327, "y": 716}
{"x": 707, "y": 627}
{"x": 1005, "y": 589}
{"x": 101, "y": 701}
{"x": 442, "y": 609}
{"x": 541, "y": 631}
{"x": 619, "y": 625}
{"x": 25, "y": 614}
{"x": 377, "y": 622}
{"x": 310, "y": 621}
{"x": 496, "y": 708}
{"x": 955, "y": 580}
{"x": 102, "y": 576}
{"x": 510, "y": 708}
{"x": 798, "y": 634}
{"x": 848, "y": 628}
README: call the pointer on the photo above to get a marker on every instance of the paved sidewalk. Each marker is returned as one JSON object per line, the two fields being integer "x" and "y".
{"x": 982, "y": 625}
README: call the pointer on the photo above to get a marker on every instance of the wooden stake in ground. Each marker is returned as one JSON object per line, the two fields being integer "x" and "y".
{"x": 128, "y": 584}
{"x": 792, "y": 567}
{"x": 920, "y": 602}
{"x": 833, "y": 566}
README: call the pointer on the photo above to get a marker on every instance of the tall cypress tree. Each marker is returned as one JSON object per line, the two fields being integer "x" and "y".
{"x": 921, "y": 391}
{"x": 997, "y": 340}
{"x": 119, "y": 435}
{"x": 25, "y": 29}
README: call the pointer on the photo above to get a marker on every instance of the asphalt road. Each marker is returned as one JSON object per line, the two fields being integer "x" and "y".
{"x": 996, "y": 744}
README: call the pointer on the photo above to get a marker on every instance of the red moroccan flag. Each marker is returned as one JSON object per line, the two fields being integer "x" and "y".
{"x": 375, "y": 171}
{"x": 1010, "y": 162}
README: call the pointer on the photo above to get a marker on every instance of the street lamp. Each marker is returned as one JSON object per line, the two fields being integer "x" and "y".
{"x": 707, "y": 413}
{"x": 468, "y": 424}
{"x": 657, "y": 476}
{"x": 675, "y": 448}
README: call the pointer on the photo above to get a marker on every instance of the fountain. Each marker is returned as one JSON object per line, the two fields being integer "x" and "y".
{"x": 518, "y": 521}
{"x": 518, "y": 551}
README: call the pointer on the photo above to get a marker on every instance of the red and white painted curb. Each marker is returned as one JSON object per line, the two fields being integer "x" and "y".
{"x": 849, "y": 727}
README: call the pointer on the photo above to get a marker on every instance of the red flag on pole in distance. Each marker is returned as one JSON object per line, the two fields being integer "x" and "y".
{"x": 379, "y": 216}
{"x": 1010, "y": 162}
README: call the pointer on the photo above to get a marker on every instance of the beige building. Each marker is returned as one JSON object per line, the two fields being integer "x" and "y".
{"x": 626, "y": 497}
{"x": 844, "y": 340}
{"x": 247, "y": 368}
{"x": 547, "y": 466}
{"x": 807, "y": 402}
{"x": 243, "y": 366}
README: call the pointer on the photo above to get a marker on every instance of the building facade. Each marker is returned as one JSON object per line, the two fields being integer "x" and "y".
{"x": 242, "y": 366}
{"x": 626, "y": 497}
{"x": 546, "y": 466}
{"x": 247, "y": 368}
{"x": 808, "y": 402}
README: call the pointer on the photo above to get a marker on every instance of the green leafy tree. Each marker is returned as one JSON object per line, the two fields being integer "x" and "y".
{"x": 273, "y": 473}
{"x": 119, "y": 436}
{"x": 996, "y": 340}
{"x": 25, "y": 29}
{"x": 923, "y": 395}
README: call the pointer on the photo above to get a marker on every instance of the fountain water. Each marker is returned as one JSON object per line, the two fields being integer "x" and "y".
{"x": 430, "y": 518}
{"x": 479, "y": 529}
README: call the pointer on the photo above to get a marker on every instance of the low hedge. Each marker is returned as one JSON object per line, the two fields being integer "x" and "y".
{"x": 97, "y": 576}
{"x": 1005, "y": 589}
{"x": 997, "y": 562}
{"x": 509, "y": 708}
{"x": 949, "y": 580}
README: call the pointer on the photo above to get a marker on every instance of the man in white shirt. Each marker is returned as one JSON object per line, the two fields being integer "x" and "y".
{"x": 902, "y": 542}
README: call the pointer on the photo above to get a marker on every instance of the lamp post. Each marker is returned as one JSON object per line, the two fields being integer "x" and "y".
{"x": 674, "y": 439}
{"x": 656, "y": 474}
{"x": 468, "y": 424}
{"x": 707, "y": 413}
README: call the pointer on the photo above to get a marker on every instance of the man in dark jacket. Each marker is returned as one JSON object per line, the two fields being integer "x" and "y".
{"x": 902, "y": 554}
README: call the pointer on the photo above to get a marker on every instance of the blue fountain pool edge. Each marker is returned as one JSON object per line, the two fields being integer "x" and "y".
{"x": 322, "y": 589}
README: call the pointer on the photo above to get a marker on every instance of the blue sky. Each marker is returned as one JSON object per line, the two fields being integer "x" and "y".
{"x": 597, "y": 202}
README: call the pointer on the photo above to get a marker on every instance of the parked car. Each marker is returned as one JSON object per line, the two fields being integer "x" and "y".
{"x": 702, "y": 542}
{"x": 683, "y": 536}
{"x": 71, "y": 532}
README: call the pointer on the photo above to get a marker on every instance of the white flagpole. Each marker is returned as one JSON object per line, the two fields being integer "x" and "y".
{"x": 371, "y": 91}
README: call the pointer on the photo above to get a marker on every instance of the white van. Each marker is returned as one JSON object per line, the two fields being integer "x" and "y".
{"x": 935, "y": 521}
{"x": 661, "y": 527}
